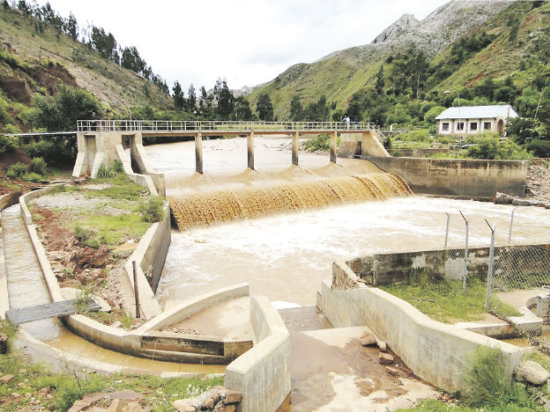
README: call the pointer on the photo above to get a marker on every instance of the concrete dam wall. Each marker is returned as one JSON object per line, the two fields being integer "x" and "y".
{"x": 458, "y": 177}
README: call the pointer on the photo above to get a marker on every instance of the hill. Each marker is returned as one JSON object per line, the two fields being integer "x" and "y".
{"x": 449, "y": 53}
{"x": 36, "y": 58}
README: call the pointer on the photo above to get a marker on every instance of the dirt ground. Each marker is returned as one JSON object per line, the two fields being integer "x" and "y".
{"x": 78, "y": 266}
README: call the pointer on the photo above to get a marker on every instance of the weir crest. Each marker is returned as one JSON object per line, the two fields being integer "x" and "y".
{"x": 202, "y": 209}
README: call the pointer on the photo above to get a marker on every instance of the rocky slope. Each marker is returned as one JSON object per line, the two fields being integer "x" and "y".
{"x": 36, "y": 61}
{"x": 341, "y": 74}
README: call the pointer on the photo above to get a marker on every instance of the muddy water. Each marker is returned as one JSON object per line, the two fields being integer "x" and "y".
{"x": 285, "y": 257}
{"x": 75, "y": 345}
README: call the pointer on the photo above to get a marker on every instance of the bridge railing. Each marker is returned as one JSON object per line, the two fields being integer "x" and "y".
{"x": 206, "y": 126}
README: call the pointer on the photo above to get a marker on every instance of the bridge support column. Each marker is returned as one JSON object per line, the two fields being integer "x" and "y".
{"x": 250, "y": 150}
{"x": 198, "y": 153}
{"x": 333, "y": 138}
{"x": 295, "y": 137}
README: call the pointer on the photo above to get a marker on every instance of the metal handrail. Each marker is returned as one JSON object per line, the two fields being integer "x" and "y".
{"x": 200, "y": 126}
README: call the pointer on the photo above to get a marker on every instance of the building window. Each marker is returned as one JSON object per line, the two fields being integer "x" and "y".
{"x": 460, "y": 126}
{"x": 486, "y": 125}
{"x": 473, "y": 126}
{"x": 445, "y": 127}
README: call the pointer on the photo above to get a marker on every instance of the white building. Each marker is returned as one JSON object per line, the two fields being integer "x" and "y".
{"x": 470, "y": 120}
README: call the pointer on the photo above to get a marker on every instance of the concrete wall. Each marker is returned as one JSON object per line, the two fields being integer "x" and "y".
{"x": 398, "y": 267}
{"x": 156, "y": 243}
{"x": 103, "y": 148}
{"x": 458, "y": 177}
{"x": 263, "y": 373}
{"x": 361, "y": 144}
{"x": 434, "y": 351}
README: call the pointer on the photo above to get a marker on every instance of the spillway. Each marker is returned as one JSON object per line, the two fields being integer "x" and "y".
{"x": 220, "y": 206}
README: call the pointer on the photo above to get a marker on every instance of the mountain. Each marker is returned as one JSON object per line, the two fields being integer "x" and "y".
{"x": 452, "y": 28}
{"x": 36, "y": 58}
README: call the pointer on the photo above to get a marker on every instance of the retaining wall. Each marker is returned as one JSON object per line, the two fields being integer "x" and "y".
{"x": 263, "y": 373}
{"x": 434, "y": 351}
{"x": 458, "y": 177}
{"x": 398, "y": 267}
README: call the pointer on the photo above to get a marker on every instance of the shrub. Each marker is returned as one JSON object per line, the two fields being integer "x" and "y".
{"x": 539, "y": 148}
{"x": 115, "y": 169}
{"x": 32, "y": 177}
{"x": 320, "y": 143}
{"x": 17, "y": 170}
{"x": 489, "y": 147}
{"x": 86, "y": 236}
{"x": 7, "y": 144}
{"x": 38, "y": 165}
{"x": 490, "y": 386}
{"x": 152, "y": 210}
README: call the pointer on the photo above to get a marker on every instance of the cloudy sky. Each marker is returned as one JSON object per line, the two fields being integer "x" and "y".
{"x": 247, "y": 42}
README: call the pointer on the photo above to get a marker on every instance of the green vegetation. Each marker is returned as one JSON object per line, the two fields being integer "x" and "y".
{"x": 152, "y": 210}
{"x": 487, "y": 146}
{"x": 489, "y": 385}
{"x": 63, "y": 390}
{"x": 445, "y": 301}
{"x": 320, "y": 143}
{"x": 38, "y": 165}
{"x": 17, "y": 170}
{"x": 489, "y": 388}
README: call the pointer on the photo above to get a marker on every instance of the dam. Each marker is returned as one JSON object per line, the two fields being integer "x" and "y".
{"x": 279, "y": 226}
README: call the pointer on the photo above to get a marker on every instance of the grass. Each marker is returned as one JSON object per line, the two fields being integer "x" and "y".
{"x": 65, "y": 389}
{"x": 445, "y": 301}
{"x": 93, "y": 229}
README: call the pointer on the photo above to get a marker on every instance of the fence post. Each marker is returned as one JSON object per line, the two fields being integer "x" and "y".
{"x": 511, "y": 225}
{"x": 447, "y": 230}
{"x": 490, "y": 268}
{"x": 465, "y": 268}
{"x": 136, "y": 290}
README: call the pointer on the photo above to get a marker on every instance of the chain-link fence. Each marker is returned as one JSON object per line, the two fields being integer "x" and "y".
{"x": 518, "y": 275}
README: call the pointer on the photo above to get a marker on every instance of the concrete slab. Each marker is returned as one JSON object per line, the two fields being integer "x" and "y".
{"x": 331, "y": 370}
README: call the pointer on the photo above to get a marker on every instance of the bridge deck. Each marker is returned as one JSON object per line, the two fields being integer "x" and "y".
{"x": 215, "y": 128}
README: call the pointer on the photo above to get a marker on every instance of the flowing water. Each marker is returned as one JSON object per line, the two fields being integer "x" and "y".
{"x": 286, "y": 256}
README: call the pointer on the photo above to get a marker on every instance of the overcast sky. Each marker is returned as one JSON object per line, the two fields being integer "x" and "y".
{"x": 247, "y": 42}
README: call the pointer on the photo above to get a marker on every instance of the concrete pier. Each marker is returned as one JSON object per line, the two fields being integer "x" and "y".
{"x": 295, "y": 138}
{"x": 333, "y": 139}
{"x": 198, "y": 153}
{"x": 250, "y": 150}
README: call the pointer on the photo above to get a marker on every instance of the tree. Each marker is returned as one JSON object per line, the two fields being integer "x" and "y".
{"x": 71, "y": 27}
{"x": 131, "y": 60}
{"x": 296, "y": 109}
{"x": 191, "y": 99}
{"x": 60, "y": 113}
{"x": 178, "y": 97}
{"x": 317, "y": 111}
{"x": 103, "y": 43}
{"x": 242, "y": 109}
{"x": 225, "y": 100}
{"x": 264, "y": 107}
